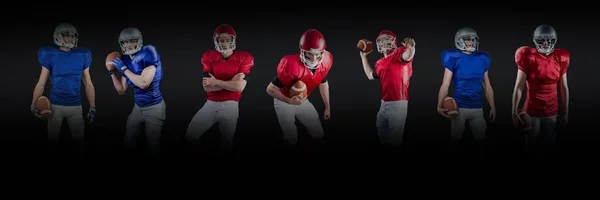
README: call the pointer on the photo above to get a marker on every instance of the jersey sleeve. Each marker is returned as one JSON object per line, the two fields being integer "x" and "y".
{"x": 521, "y": 59}
{"x": 565, "y": 61}
{"x": 151, "y": 57}
{"x": 448, "y": 60}
{"x": 487, "y": 60}
{"x": 206, "y": 66}
{"x": 87, "y": 56}
{"x": 284, "y": 72}
{"x": 44, "y": 59}
{"x": 398, "y": 54}
{"x": 247, "y": 63}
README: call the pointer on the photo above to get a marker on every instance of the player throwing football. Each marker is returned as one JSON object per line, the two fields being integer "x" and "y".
{"x": 66, "y": 65}
{"x": 225, "y": 69}
{"x": 141, "y": 69}
{"x": 394, "y": 71}
{"x": 467, "y": 68}
{"x": 541, "y": 69}
{"x": 310, "y": 66}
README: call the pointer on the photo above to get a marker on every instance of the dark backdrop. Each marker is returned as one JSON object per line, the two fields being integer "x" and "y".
{"x": 181, "y": 38}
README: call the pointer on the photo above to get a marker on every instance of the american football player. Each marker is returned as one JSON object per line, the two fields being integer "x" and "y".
{"x": 310, "y": 66}
{"x": 393, "y": 70}
{"x": 541, "y": 69}
{"x": 467, "y": 68}
{"x": 141, "y": 69}
{"x": 67, "y": 66}
{"x": 225, "y": 69}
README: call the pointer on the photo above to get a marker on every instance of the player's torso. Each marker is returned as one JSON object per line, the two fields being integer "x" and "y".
{"x": 136, "y": 64}
{"x": 394, "y": 77}
{"x": 225, "y": 68}
{"x": 543, "y": 70}
{"x": 542, "y": 79}
{"x": 469, "y": 71}
{"x": 312, "y": 78}
{"x": 67, "y": 70}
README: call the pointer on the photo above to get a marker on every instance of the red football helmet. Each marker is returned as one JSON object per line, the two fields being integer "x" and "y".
{"x": 386, "y": 41}
{"x": 312, "y": 47}
{"x": 224, "y": 38}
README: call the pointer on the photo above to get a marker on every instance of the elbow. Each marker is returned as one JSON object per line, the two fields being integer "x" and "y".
{"x": 271, "y": 89}
{"x": 240, "y": 86}
{"x": 145, "y": 85}
{"x": 121, "y": 92}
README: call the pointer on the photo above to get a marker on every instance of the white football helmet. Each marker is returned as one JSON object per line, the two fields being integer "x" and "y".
{"x": 224, "y": 30}
{"x": 544, "y": 38}
{"x": 131, "y": 40}
{"x": 63, "y": 30}
{"x": 463, "y": 34}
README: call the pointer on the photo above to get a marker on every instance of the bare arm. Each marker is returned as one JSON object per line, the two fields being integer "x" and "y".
{"x": 276, "y": 93}
{"x": 145, "y": 79}
{"x": 443, "y": 93}
{"x": 324, "y": 90}
{"x": 408, "y": 54}
{"x": 518, "y": 90}
{"x": 236, "y": 85}
{"x": 564, "y": 93}
{"x": 38, "y": 91}
{"x": 489, "y": 91}
{"x": 367, "y": 67}
{"x": 120, "y": 84}
{"x": 90, "y": 91}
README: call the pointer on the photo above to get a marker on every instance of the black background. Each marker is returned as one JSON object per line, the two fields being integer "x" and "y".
{"x": 181, "y": 38}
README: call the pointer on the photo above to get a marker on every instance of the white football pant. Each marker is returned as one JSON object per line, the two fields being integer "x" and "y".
{"x": 476, "y": 119}
{"x": 391, "y": 120}
{"x": 150, "y": 118}
{"x": 224, "y": 113}
{"x": 542, "y": 127}
{"x": 74, "y": 116}
{"x": 306, "y": 114}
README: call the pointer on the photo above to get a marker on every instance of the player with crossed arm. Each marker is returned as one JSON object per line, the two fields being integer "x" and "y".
{"x": 311, "y": 67}
{"x": 66, "y": 65}
{"x": 541, "y": 69}
{"x": 141, "y": 69}
{"x": 394, "y": 71}
{"x": 225, "y": 69}
{"x": 468, "y": 68}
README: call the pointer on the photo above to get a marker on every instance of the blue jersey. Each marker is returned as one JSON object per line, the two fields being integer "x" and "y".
{"x": 146, "y": 57}
{"x": 468, "y": 73}
{"x": 66, "y": 69}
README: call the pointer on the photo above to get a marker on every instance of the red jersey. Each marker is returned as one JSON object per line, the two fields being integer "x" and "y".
{"x": 291, "y": 69}
{"x": 225, "y": 69}
{"x": 543, "y": 74}
{"x": 394, "y": 75}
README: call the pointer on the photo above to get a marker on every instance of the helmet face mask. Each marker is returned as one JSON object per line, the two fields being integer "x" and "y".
{"x": 466, "y": 39}
{"x": 312, "y": 48}
{"x": 386, "y": 43}
{"x": 312, "y": 59}
{"x": 544, "y": 38}
{"x": 224, "y": 38}
{"x": 131, "y": 41}
{"x": 66, "y": 35}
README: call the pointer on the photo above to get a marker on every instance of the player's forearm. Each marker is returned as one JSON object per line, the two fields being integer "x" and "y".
{"x": 516, "y": 98}
{"x": 324, "y": 90}
{"x": 489, "y": 95}
{"x": 276, "y": 93}
{"x": 232, "y": 85}
{"x": 409, "y": 54}
{"x": 367, "y": 68}
{"x": 117, "y": 84}
{"x": 564, "y": 97}
{"x": 90, "y": 92}
{"x": 38, "y": 91}
{"x": 442, "y": 94}
{"x": 137, "y": 80}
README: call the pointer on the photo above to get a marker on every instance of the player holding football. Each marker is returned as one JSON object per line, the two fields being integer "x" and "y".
{"x": 224, "y": 81}
{"x": 394, "y": 71}
{"x": 541, "y": 69}
{"x": 141, "y": 69}
{"x": 467, "y": 68}
{"x": 66, "y": 66}
{"x": 311, "y": 67}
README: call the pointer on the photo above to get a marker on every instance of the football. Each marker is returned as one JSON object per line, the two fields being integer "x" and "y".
{"x": 110, "y": 66}
{"x": 43, "y": 104}
{"x": 450, "y": 104}
{"x": 365, "y": 45}
{"x": 299, "y": 88}
{"x": 526, "y": 126}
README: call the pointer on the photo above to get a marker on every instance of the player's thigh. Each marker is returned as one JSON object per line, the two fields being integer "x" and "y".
{"x": 229, "y": 112}
{"x": 206, "y": 116}
{"x": 286, "y": 113}
{"x": 396, "y": 114}
{"x": 308, "y": 115}
{"x": 76, "y": 121}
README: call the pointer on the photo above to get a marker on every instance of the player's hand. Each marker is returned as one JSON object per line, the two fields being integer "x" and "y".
{"x": 35, "y": 111}
{"x": 409, "y": 43}
{"x": 564, "y": 120}
{"x": 295, "y": 100}
{"x": 91, "y": 114}
{"x": 119, "y": 65}
{"x": 327, "y": 114}
{"x": 239, "y": 77}
{"x": 492, "y": 115}
{"x": 364, "y": 54}
{"x": 210, "y": 81}
{"x": 442, "y": 112}
{"x": 517, "y": 121}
